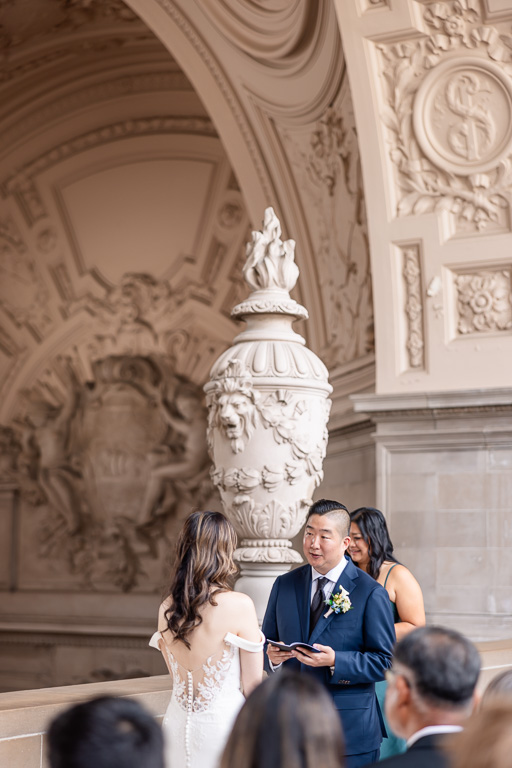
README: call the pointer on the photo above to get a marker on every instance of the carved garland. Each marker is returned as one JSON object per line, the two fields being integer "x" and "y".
{"x": 475, "y": 198}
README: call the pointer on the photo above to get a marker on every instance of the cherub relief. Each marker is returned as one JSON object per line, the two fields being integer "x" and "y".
{"x": 186, "y": 416}
{"x": 45, "y": 441}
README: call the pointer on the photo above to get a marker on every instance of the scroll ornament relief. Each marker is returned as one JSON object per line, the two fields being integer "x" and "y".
{"x": 484, "y": 301}
{"x": 268, "y": 409}
{"x": 449, "y": 119}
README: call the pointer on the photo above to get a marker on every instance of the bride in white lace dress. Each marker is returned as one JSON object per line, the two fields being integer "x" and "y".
{"x": 211, "y": 642}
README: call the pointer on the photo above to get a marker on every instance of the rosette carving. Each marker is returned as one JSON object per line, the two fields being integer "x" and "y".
{"x": 484, "y": 301}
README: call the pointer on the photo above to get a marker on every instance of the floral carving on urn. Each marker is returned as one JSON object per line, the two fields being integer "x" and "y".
{"x": 268, "y": 409}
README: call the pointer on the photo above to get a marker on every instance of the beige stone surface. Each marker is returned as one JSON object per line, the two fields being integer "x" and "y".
{"x": 23, "y": 752}
{"x": 25, "y": 712}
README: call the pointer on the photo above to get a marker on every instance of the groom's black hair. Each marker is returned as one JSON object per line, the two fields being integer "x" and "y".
{"x": 334, "y": 509}
{"x": 106, "y": 732}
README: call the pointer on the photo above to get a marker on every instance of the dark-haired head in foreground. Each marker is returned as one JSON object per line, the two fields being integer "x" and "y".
{"x": 432, "y": 681}
{"x": 105, "y": 732}
{"x": 289, "y": 721}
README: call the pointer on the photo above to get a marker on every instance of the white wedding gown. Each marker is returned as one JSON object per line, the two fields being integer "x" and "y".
{"x": 204, "y": 704}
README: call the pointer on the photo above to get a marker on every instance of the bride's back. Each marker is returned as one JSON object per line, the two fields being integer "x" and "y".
{"x": 234, "y": 613}
{"x": 202, "y": 608}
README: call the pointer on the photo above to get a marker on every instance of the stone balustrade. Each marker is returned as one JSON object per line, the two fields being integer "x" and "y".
{"x": 24, "y": 715}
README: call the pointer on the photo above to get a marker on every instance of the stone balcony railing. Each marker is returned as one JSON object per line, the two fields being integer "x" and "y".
{"x": 24, "y": 715}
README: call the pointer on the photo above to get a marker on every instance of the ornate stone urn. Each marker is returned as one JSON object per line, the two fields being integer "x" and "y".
{"x": 268, "y": 409}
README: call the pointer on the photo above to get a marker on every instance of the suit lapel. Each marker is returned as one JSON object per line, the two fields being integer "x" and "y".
{"x": 348, "y": 581}
{"x": 303, "y": 595}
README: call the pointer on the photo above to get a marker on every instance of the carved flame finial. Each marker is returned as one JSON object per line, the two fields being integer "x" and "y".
{"x": 270, "y": 262}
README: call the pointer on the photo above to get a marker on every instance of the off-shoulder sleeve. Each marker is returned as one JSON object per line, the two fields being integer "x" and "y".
{"x": 243, "y": 644}
{"x": 155, "y": 637}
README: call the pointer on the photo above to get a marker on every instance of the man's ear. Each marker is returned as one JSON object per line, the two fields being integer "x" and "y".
{"x": 403, "y": 690}
{"x": 477, "y": 698}
{"x": 346, "y": 542}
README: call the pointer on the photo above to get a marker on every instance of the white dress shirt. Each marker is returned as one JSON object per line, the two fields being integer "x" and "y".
{"x": 333, "y": 575}
{"x": 432, "y": 730}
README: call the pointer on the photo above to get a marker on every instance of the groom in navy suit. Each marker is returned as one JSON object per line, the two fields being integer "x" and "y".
{"x": 355, "y": 635}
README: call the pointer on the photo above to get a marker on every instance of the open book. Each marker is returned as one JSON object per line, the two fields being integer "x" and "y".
{"x": 293, "y": 646}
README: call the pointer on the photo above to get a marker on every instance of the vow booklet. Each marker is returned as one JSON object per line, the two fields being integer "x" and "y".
{"x": 293, "y": 646}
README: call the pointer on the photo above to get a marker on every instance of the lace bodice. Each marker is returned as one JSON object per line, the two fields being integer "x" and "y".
{"x": 204, "y": 703}
{"x": 195, "y": 689}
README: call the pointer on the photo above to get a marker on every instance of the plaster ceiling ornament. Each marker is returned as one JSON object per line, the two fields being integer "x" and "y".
{"x": 10, "y": 449}
{"x": 369, "y": 5}
{"x": 484, "y": 301}
{"x": 24, "y": 20}
{"x": 269, "y": 32}
{"x": 448, "y": 117}
{"x": 24, "y": 296}
{"x": 268, "y": 411}
{"x": 225, "y": 88}
{"x": 21, "y": 183}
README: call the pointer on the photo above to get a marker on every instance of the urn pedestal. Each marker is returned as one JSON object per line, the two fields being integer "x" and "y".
{"x": 268, "y": 409}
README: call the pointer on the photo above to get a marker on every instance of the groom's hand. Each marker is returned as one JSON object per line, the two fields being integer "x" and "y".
{"x": 277, "y": 656}
{"x": 326, "y": 657}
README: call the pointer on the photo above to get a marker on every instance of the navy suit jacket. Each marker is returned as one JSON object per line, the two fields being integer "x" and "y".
{"x": 427, "y": 752}
{"x": 362, "y": 639}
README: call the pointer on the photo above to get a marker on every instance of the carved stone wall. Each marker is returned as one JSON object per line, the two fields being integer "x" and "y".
{"x": 121, "y": 223}
{"x": 432, "y": 90}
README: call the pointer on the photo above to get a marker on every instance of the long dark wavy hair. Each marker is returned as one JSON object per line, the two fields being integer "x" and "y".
{"x": 374, "y": 531}
{"x": 204, "y": 567}
{"x": 288, "y": 721}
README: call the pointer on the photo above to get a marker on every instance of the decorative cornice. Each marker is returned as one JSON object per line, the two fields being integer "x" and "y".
{"x": 435, "y": 404}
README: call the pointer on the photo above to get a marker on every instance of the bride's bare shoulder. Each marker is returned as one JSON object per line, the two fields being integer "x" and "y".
{"x": 234, "y": 599}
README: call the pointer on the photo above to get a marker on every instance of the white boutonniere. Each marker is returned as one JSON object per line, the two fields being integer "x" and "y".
{"x": 338, "y": 603}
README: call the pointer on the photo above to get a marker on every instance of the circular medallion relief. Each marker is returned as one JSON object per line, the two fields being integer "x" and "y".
{"x": 463, "y": 115}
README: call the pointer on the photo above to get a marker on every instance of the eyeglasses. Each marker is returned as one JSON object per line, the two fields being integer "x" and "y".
{"x": 389, "y": 674}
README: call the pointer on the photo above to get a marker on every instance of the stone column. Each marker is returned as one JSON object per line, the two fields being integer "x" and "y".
{"x": 268, "y": 408}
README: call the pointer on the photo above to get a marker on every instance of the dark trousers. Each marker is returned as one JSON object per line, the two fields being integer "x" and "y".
{"x": 365, "y": 758}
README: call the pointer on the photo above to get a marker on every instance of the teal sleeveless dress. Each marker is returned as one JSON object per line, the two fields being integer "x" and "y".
{"x": 392, "y": 745}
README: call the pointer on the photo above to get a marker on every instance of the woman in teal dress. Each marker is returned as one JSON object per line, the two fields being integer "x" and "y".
{"x": 372, "y": 551}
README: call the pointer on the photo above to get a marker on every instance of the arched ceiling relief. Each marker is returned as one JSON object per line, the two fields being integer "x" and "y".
{"x": 125, "y": 137}
{"x": 287, "y": 87}
{"x": 94, "y": 74}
